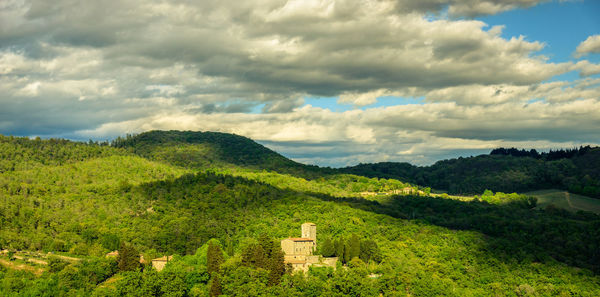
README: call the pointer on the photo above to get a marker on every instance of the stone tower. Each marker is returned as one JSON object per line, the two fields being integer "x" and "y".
{"x": 309, "y": 230}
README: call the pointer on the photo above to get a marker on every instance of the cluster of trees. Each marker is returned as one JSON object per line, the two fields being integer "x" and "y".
{"x": 79, "y": 278}
{"x": 266, "y": 254}
{"x": 22, "y": 153}
{"x": 548, "y": 156}
{"x": 353, "y": 247}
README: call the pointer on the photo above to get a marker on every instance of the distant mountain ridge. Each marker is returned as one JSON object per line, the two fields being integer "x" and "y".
{"x": 506, "y": 170}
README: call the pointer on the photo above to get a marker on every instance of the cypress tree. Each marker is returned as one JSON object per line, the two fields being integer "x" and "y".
{"x": 327, "y": 248}
{"x": 129, "y": 258}
{"x": 267, "y": 245}
{"x": 339, "y": 248}
{"x": 254, "y": 256}
{"x": 276, "y": 267}
{"x": 346, "y": 255}
{"x": 215, "y": 286}
{"x": 353, "y": 247}
{"x": 214, "y": 258}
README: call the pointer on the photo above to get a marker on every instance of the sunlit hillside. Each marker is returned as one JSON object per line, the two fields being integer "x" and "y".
{"x": 65, "y": 205}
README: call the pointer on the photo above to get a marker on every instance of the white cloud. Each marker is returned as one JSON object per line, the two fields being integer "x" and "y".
{"x": 415, "y": 133}
{"x": 81, "y": 69}
{"x": 586, "y": 68}
{"x": 589, "y": 46}
{"x": 362, "y": 99}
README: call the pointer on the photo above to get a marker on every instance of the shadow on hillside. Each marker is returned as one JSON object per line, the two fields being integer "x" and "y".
{"x": 513, "y": 231}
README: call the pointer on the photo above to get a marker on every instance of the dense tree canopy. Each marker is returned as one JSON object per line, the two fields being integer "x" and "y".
{"x": 223, "y": 225}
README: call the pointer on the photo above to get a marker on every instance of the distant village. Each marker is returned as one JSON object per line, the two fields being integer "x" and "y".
{"x": 403, "y": 191}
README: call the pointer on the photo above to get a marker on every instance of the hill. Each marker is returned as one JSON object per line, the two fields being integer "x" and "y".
{"x": 240, "y": 156}
{"x": 92, "y": 199}
{"x": 577, "y": 171}
{"x": 210, "y": 149}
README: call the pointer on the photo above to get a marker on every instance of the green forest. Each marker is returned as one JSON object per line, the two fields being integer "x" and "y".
{"x": 219, "y": 204}
{"x": 505, "y": 170}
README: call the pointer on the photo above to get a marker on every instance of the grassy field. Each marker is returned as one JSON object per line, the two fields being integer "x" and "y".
{"x": 566, "y": 200}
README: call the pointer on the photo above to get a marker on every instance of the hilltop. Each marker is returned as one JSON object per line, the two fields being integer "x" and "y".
{"x": 210, "y": 149}
{"x": 171, "y": 193}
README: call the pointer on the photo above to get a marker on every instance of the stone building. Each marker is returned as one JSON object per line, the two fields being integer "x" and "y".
{"x": 159, "y": 263}
{"x": 298, "y": 251}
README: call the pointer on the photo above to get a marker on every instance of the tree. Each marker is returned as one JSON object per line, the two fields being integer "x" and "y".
{"x": 254, "y": 255}
{"x": 327, "y": 248}
{"x": 129, "y": 258}
{"x": 130, "y": 284}
{"x": 267, "y": 244}
{"x": 214, "y": 258}
{"x": 265, "y": 254}
{"x": 110, "y": 241}
{"x": 56, "y": 264}
{"x": 215, "y": 286}
{"x": 369, "y": 251}
{"x": 276, "y": 267}
{"x": 339, "y": 246}
{"x": 353, "y": 247}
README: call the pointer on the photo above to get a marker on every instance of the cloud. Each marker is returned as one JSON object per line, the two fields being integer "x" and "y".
{"x": 586, "y": 68}
{"x": 321, "y": 48}
{"x": 468, "y": 8}
{"x": 84, "y": 69}
{"x": 589, "y": 46}
{"x": 283, "y": 106}
{"x": 362, "y": 99}
{"x": 415, "y": 133}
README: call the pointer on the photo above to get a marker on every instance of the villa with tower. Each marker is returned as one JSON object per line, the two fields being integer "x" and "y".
{"x": 299, "y": 250}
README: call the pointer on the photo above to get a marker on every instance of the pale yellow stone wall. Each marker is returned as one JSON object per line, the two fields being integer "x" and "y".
{"x": 313, "y": 259}
{"x": 291, "y": 258}
{"x": 330, "y": 261}
{"x": 287, "y": 245}
{"x": 300, "y": 266}
{"x": 159, "y": 265}
{"x": 291, "y": 247}
{"x": 309, "y": 230}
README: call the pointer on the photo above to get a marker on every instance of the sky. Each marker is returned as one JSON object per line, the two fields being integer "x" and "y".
{"x": 325, "y": 82}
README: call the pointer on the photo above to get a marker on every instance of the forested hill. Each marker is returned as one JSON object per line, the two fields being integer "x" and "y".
{"x": 505, "y": 170}
{"x": 208, "y": 149}
{"x": 64, "y": 206}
